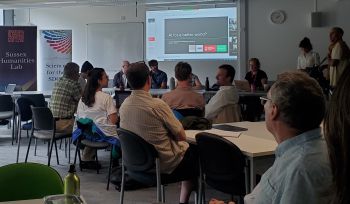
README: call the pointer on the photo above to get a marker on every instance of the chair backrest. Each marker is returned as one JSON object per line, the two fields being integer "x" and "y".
{"x": 42, "y": 118}
{"x": 191, "y": 112}
{"x": 138, "y": 155}
{"x": 221, "y": 161}
{"x": 120, "y": 96}
{"x": 37, "y": 99}
{"x": 230, "y": 113}
{"x": 22, "y": 181}
{"x": 23, "y": 108}
{"x": 6, "y": 103}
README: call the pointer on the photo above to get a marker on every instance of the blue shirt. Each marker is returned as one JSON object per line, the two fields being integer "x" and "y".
{"x": 300, "y": 174}
{"x": 158, "y": 78}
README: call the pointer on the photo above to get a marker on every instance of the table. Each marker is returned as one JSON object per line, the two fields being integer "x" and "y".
{"x": 257, "y": 144}
{"x": 34, "y": 201}
{"x": 17, "y": 94}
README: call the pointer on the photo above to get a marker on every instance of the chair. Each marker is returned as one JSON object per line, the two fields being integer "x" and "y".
{"x": 140, "y": 160}
{"x": 222, "y": 165}
{"x": 23, "y": 181}
{"x": 24, "y": 115}
{"x": 44, "y": 127}
{"x": 230, "y": 113}
{"x": 7, "y": 111}
{"x": 37, "y": 99}
{"x": 85, "y": 142}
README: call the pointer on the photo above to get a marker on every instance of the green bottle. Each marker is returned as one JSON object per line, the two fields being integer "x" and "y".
{"x": 72, "y": 182}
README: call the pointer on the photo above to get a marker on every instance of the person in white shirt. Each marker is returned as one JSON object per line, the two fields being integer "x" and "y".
{"x": 98, "y": 106}
{"x": 307, "y": 57}
{"x": 227, "y": 94}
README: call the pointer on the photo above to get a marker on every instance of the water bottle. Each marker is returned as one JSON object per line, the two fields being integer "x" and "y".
{"x": 172, "y": 83}
{"x": 72, "y": 182}
{"x": 207, "y": 84}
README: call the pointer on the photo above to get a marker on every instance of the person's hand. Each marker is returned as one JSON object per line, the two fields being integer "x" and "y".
{"x": 215, "y": 201}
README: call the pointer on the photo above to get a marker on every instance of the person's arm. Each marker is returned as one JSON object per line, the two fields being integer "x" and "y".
{"x": 163, "y": 85}
{"x": 113, "y": 118}
{"x": 111, "y": 111}
{"x": 335, "y": 55}
{"x": 214, "y": 106}
{"x": 198, "y": 84}
{"x": 263, "y": 78}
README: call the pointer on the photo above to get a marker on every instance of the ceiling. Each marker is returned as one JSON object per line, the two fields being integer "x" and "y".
{"x": 9, "y": 4}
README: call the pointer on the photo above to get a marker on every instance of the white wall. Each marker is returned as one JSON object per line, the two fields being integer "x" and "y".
{"x": 275, "y": 45}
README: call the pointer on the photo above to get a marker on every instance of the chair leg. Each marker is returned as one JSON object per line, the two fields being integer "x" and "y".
{"x": 18, "y": 144}
{"x": 97, "y": 162}
{"x": 163, "y": 193}
{"x": 35, "y": 143}
{"x": 122, "y": 184}
{"x": 30, "y": 141}
{"x": 158, "y": 181}
{"x": 50, "y": 152}
{"x": 81, "y": 169}
{"x": 58, "y": 162}
{"x": 109, "y": 168}
{"x": 69, "y": 141}
{"x": 60, "y": 143}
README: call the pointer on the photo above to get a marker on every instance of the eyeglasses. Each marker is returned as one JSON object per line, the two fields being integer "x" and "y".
{"x": 264, "y": 100}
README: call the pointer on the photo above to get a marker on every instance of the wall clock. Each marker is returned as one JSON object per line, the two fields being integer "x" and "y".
{"x": 278, "y": 17}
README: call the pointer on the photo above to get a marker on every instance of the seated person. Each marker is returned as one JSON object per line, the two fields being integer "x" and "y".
{"x": 152, "y": 119}
{"x": 307, "y": 57}
{"x": 256, "y": 77}
{"x": 119, "y": 80}
{"x": 294, "y": 110}
{"x": 226, "y": 96}
{"x": 183, "y": 97}
{"x": 84, "y": 71}
{"x": 98, "y": 106}
{"x": 159, "y": 78}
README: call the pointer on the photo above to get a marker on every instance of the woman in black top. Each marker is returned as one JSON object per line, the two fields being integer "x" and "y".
{"x": 255, "y": 76}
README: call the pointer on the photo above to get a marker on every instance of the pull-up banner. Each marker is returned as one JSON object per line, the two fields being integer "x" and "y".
{"x": 55, "y": 53}
{"x": 18, "y": 57}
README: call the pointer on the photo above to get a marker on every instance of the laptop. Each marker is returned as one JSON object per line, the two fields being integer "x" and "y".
{"x": 10, "y": 88}
{"x": 242, "y": 85}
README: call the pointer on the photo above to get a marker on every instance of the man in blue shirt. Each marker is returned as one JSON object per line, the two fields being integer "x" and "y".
{"x": 294, "y": 108}
{"x": 159, "y": 78}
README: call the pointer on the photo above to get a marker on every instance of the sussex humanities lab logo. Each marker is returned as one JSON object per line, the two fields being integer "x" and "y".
{"x": 59, "y": 40}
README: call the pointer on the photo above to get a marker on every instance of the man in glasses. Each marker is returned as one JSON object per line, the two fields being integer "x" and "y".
{"x": 294, "y": 108}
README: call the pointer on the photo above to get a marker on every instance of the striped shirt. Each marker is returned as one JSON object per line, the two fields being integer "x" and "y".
{"x": 153, "y": 120}
{"x": 65, "y": 97}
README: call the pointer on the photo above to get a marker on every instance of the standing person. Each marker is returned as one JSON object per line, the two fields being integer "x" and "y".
{"x": 152, "y": 119}
{"x": 159, "y": 78}
{"x": 294, "y": 109}
{"x": 120, "y": 80}
{"x": 65, "y": 96}
{"x": 337, "y": 131}
{"x": 84, "y": 71}
{"x": 99, "y": 107}
{"x": 307, "y": 57}
{"x": 338, "y": 55}
{"x": 256, "y": 77}
{"x": 226, "y": 96}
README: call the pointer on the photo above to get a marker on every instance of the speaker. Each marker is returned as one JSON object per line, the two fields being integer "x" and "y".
{"x": 316, "y": 19}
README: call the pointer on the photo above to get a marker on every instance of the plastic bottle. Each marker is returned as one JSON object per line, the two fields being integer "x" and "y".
{"x": 172, "y": 83}
{"x": 72, "y": 182}
{"x": 206, "y": 84}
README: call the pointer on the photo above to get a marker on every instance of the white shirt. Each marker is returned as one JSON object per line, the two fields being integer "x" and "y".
{"x": 99, "y": 112}
{"x": 308, "y": 60}
{"x": 226, "y": 95}
{"x": 125, "y": 80}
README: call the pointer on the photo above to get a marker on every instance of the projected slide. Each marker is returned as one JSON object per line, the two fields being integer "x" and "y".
{"x": 191, "y": 34}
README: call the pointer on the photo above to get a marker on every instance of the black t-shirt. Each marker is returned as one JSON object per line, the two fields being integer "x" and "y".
{"x": 256, "y": 80}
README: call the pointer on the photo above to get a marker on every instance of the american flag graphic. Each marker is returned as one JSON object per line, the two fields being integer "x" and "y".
{"x": 59, "y": 40}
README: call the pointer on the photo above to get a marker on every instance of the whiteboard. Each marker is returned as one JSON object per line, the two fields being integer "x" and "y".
{"x": 108, "y": 44}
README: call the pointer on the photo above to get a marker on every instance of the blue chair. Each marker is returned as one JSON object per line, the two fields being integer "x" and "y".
{"x": 24, "y": 181}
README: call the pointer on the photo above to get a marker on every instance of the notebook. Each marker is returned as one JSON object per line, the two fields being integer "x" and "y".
{"x": 10, "y": 88}
{"x": 242, "y": 85}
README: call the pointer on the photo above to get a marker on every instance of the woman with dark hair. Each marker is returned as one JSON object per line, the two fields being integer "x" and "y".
{"x": 307, "y": 57}
{"x": 337, "y": 134}
{"x": 98, "y": 106}
{"x": 256, "y": 77}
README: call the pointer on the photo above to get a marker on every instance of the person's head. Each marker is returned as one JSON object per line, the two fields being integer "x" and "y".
{"x": 125, "y": 66}
{"x": 183, "y": 71}
{"x": 86, "y": 67}
{"x": 97, "y": 79}
{"x": 305, "y": 45}
{"x": 336, "y": 131}
{"x": 71, "y": 71}
{"x": 254, "y": 64}
{"x": 153, "y": 64}
{"x": 138, "y": 76}
{"x": 336, "y": 34}
{"x": 225, "y": 75}
{"x": 295, "y": 101}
